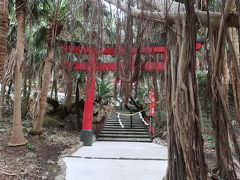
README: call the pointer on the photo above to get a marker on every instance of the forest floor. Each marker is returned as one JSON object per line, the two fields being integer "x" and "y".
{"x": 38, "y": 158}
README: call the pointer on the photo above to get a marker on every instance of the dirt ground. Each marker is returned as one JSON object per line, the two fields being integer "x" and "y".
{"x": 37, "y": 159}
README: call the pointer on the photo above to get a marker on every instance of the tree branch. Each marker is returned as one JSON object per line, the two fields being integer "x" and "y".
{"x": 167, "y": 6}
{"x": 159, "y": 16}
{"x": 175, "y": 11}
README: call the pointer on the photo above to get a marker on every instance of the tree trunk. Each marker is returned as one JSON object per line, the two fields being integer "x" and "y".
{"x": 29, "y": 89}
{"x": 24, "y": 87}
{"x": 157, "y": 97}
{"x": 220, "y": 119}
{"x": 68, "y": 88}
{"x": 235, "y": 77}
{"x": 2, "y": 97}
{"x": 226, "y": 76}
{"x": 186, "y": 155}
{"x": 46, "y": 76}
{"x": 78, "y": 105}
{"x": 9, "y": 88}
{"x": 53, "y": 87}
{"x": 56, "y": 91}
{"x": 3, "y": 34}
{"x": 3, "y": 48}
{"x": 53, "y": 31}
{"x": 17, "y": 137}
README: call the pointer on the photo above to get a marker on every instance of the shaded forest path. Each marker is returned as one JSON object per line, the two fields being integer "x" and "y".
{"x": 118, "y": 161}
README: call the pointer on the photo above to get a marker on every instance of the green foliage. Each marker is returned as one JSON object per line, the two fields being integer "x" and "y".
{"x": 40, "y": 36}
{"x": 26, "y": 123}
{"x": 207, "y": 137}
{"x": 30, "y": 147}
{"x": 51, "y": 122}
{"x": 210, "y": 140}
{"x": 237, "y": 128}
{"x": 202, "y": 80}
{"x": 54, "y": 8}
{"x": 143, "y": 96}
{"x": 212, "y": 145}
{"x": 206, "y": 123}
{"x": 47, "y": 10}
{"x": 104, "y": 89}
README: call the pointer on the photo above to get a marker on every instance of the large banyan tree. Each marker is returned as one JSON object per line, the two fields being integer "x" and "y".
{"x": 185, "y": 142}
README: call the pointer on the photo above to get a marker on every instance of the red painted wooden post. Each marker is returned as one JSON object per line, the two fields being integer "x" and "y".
{"x": 86, "y": 133}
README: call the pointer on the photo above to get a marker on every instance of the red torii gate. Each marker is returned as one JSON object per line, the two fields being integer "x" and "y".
{"x": 92, "y": 66}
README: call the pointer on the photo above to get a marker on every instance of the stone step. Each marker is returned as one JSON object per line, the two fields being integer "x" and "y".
{"x": 124, "y": 129}
{"x": 124, "y": 121}
{"x": 125, "y": 124}
{"x": 123, "y": 132}
{"x": 116, "y": 124}
{"x": 124, "y": 135}
{"x": 125, "y": 139}
{"x": 139, "y": 123}
{"x": 112, "y": 130}
{"x": 116, "y": 119}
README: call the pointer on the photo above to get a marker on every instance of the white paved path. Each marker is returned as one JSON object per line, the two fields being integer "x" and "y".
{"x": 117, "y": 161}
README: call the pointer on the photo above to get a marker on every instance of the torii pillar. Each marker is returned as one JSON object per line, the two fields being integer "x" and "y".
{"x": 87, "y": 131}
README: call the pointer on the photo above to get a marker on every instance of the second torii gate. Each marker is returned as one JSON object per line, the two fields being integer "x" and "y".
{"x": 92, "y": 66}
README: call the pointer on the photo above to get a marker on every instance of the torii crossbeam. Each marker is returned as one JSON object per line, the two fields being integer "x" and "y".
{"x": 92, "y": 66}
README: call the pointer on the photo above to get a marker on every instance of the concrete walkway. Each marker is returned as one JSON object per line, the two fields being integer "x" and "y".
{"x": 117, "y": 161}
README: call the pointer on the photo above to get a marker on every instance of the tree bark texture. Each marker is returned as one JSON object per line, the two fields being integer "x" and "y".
{"x": 4, "y": 21}
{"x": 44, "y": 91}
{"x": 220, "y": 119}
{"x": 157, "y": 97}
{"x": 186, "y": 155}
{"x": 68, "y": 87}
{"x": 53, "y": 31}
{"x": 2, "y": 97}
{"x": 226, "y": 75}
{"x": 17, "y": 137}
{"x": 235, "y": 73}
{"x": 3, "y": 34}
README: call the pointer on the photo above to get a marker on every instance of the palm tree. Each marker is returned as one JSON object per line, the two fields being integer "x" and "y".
{"x": 104, "y": 91}
{"x": 17, "y": 137}
{"x": 3, "y": 33}
{"x": 55, "y": 12}
{"x": 3, "y": 46}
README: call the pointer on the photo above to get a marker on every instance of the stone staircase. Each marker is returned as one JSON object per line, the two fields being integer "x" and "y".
{"x": 132, "y": 132}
